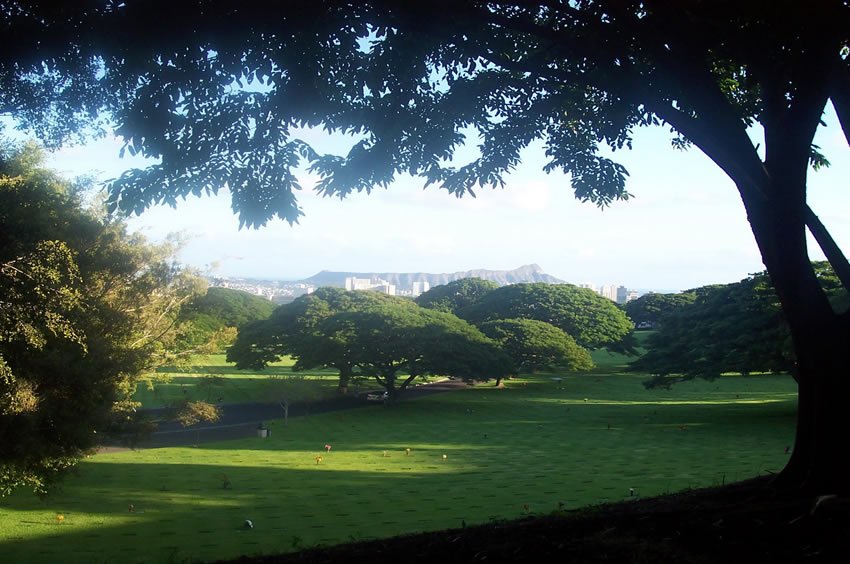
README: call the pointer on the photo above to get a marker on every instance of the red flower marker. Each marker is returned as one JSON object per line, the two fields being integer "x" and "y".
{"x": 328, "y": 448}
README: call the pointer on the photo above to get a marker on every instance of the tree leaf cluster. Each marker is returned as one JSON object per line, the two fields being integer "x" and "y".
{"x": 369, "y": 334}
{"x": 725, "y": 328}
{"x": 86, "y": 308}
{"x": 651, "y": 309}
{"x": 592, "y": 320}
{"x": 212, "y": 318}
{"x": 538, "y": 325}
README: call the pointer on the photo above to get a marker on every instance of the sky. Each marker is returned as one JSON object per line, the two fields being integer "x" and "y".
{"x": 685, "y": 226}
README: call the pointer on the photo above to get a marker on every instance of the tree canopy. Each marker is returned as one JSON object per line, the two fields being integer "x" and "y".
{"x": 536, "y": 345}
{"x": 584, "y": 315}
{"x": 652, "y": 308}
{"x": 399, "y": 341}
{"x": 85, "y": 309}
{"x": 298, "y": 329}
{"x": 371, "y": 334}
{"x": 213, "y": 317}
{"x": 456, "y": 295}
{"x": 217, "y": 94}
{"x": 737, "y": 328}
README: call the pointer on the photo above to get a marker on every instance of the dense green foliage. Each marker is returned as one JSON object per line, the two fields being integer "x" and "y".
{"x": 736, "y": 328}
{"x": 456, "y": 295}
{"x": 536, "y": 345}
{"x": 208, "y": 316}
{"x": 652, "y": 308}
{"x": 86, "y": 308}
{"x": 224, "y": 106}
{"x": 371, "y": 333}
{"x": 225, "y": 307}
{"x": 296, "y": 329}
{"x": 220, "y": 106}
{"x": 584, "y": 315}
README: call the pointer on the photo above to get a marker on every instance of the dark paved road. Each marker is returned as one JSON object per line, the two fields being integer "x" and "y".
{"x": 240, "y": 420}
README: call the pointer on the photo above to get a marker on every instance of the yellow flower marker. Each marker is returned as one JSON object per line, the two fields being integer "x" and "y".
{"x": 445, "y": 456}
{"x": 319, "y": 459}
{"x": 60, "y": 518}
{"x": 407, "y": 452}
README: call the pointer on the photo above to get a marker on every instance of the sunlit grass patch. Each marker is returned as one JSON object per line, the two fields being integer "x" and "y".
{"x": 213, "y": 379}
{"x": 477, "y": 454}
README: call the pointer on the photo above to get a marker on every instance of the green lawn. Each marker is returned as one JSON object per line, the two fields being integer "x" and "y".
{"x": 535, "y": 446}
{"x": 213, "y": 379}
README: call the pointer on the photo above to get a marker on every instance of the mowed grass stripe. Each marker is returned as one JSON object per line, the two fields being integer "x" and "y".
{"x": 509, "y": 453}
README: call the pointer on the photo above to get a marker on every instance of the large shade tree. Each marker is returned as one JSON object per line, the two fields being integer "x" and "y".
{"x": 584, "y": 315}
{"x": 299, "y": 329}
{"x": 651, "y": 309}
{"x": 536, "y": 345}
{"x": 724, "y": 328}
{"x": 85, "y": 309}
{"x": 456, "y": 295}
{"x": 399, "y": 341}
{"x": 216, "y": 91}
{"x": 375, "y": 335}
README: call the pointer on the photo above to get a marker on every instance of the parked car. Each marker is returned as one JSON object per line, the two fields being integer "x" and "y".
{"x": 377, "y": 396}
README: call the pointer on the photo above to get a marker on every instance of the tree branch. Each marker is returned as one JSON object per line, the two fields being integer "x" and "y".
{"x": 406, "y": 382}
{"x": 840, "y": 96}
{"x": 829, "y": 247}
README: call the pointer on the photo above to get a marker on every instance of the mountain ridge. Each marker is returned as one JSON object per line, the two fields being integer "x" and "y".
{"x": 525, "y": 273}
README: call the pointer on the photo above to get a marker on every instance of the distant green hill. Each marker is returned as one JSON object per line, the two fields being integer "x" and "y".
{"x": 220, "y": 308}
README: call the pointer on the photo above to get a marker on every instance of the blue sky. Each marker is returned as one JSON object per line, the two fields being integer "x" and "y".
{"x": 685, "y": 226}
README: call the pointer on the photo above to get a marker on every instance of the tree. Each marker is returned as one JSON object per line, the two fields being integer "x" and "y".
{"x": 213, "y": 317}
{"x": 408, "y": 80}
{"x": 375, "y": 334}
{"x": 652, "y": 308}
{"x": 584, "y": 315}
{"x": 85, "y": 309}
{"x": 225, "y": 307}
{"x": 297, "y": 329}
{"x": 189, "y": 413}
{"x": 728, "y": 328}
{"x": 396, "y": 341}
{"x": 456, "y": 295}
{"x": 736, "y": 327}
{"x": 536, "y": 345}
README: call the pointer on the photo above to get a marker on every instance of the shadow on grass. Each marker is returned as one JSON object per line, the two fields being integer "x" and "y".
{"x": 509, "y": 453}
{"x": 183, "y": 511}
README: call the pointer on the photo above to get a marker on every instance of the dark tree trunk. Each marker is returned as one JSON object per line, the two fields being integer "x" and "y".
{"x": 820, "y": 462}
{"x": 774, "y": 195}
{"x": 821, "y": 459}
{"x": 344, "y": 380}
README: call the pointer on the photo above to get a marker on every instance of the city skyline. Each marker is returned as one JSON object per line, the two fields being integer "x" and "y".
{"x": 684, "y": 228}
{"x": 283, "y": 291}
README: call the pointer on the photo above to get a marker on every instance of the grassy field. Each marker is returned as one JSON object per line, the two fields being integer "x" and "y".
{"x": 214, "y": 380}
{"x": 477, "y": 454}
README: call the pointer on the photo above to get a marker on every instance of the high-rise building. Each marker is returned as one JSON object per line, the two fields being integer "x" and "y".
{"x": 622, "y": 294}
{"x": 353, "y": 283}
{"x": 375, "y": 284}
{"x": 609, "y": 291}
{"x": 418, "y": 288}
